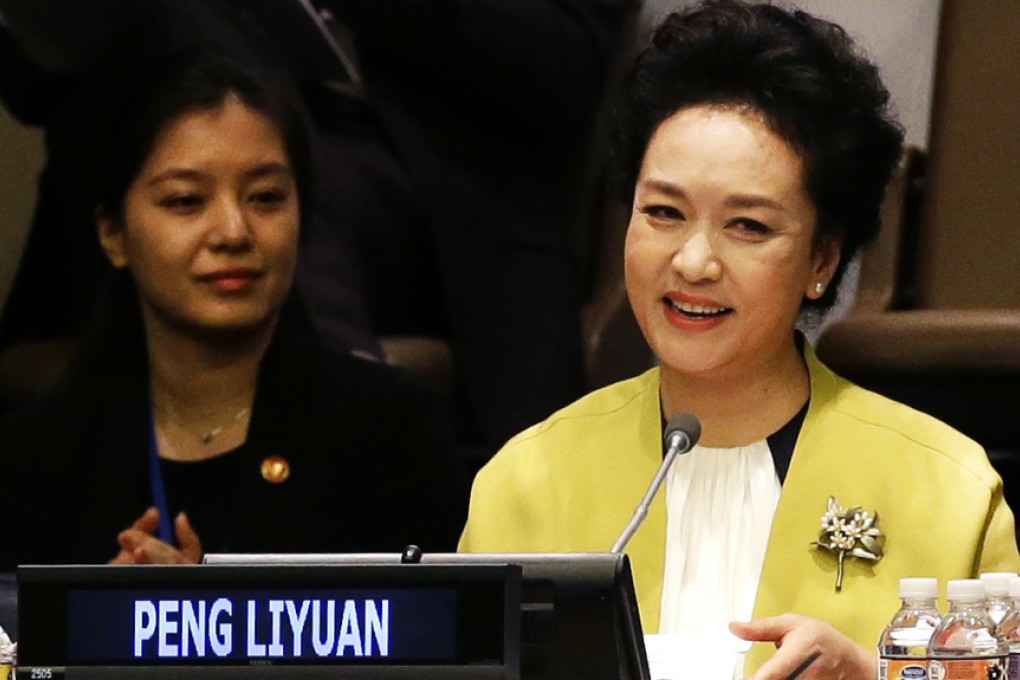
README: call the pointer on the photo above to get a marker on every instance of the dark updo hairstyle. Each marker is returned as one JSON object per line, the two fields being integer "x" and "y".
{"x": 176, "y": 84}
{"x": 807, "y": 80}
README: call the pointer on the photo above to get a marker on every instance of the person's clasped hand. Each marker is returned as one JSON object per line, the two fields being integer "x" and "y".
{"x": 140, "y": 545}
{"x": 799, "y": 638}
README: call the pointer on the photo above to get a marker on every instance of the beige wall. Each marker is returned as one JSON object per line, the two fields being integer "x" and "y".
{"x": 898, "y": 35}
{"x": 971, "y": 228}
{"x": 21, "y": 158}
{"x": 901, "y": 37}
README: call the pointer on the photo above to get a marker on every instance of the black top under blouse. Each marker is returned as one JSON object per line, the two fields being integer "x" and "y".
{"x": 781, "y": 442}
{"x": 784, "y": 440}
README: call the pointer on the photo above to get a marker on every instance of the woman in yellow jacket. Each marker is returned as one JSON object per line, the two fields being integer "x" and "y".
{"x": 754, "y": 145}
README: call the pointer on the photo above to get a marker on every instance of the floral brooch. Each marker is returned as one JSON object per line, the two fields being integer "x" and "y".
{"x": 850, "y": 532}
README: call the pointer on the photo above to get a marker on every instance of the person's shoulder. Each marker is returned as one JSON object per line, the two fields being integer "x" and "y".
{"x": 911, "y": 429}
{"x": 339, "y": 370}
{"x": 582, "y": 425}
{"x": 97, "y": 406}
{"x": 42, "y": 441}
{"x": 56, "y": 415}
{"x": 877, "y": 410}
{"x": 613, "y": 401}
{"x": 20, "y": 427}
{"x": 356, "y": 399}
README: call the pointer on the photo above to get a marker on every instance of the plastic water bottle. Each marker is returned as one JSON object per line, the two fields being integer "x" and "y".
{"x": 966, "y": 645}
{"x": 1009, "y": 630}
{"x": 997, "y": 600}
{"x": 8, "y": 656}
{"x": 903, "y": 647}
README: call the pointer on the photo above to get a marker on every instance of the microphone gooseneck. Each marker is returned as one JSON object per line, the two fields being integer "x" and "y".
{"x": 682, "y": 433}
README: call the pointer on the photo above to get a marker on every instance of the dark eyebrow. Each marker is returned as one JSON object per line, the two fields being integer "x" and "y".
{"x": 744, "y": 201}
{"x": 259, "y": 171}
{"x": 175, "y": 173}
{"x": 752, "y": 201}
{"x": 665, "y": 187}
{"x": 267, "y": 169}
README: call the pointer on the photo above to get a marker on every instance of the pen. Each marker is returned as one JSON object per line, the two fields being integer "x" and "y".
{"x": 803, "y": 666}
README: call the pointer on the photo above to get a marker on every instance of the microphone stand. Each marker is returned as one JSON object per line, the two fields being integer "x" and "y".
{"x": 682, "y": 433}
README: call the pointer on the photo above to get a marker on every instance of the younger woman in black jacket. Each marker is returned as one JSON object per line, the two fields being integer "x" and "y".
{"x": 206, "y": 419}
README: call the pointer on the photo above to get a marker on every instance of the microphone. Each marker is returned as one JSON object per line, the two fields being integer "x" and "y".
{"x": 682, "y": 433}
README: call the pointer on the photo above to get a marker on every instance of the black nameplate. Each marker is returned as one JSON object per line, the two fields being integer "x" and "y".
{"x": 280, "y": 615}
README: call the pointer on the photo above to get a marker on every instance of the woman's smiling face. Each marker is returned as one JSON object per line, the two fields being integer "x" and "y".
{"x": 210, "y": 224}
{"x": 721, "y": 250}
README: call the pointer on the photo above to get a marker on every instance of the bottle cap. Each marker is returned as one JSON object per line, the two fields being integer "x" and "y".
{"x": 965, "y": 590}
{"x": 1014, "y": 587}
{"x": 919, "y": 587}
{"x": 8, "y": 649}
{"x": 997, "y": 583}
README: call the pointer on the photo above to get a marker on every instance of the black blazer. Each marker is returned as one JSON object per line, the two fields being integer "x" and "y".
{"x": 372, "y": 465}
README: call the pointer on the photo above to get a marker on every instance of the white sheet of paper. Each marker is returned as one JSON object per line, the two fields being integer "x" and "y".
{"x": 696, "y": 656}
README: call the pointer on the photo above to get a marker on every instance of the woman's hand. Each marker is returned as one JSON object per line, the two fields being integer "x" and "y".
{"x": 799, "y": 638}
{"x": 139, "y": 544}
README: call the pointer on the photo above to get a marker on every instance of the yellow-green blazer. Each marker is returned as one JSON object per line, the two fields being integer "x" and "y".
{"x": 572, "y": 482}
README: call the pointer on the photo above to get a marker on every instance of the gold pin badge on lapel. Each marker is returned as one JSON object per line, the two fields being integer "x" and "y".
{"x": 275, "y": 469}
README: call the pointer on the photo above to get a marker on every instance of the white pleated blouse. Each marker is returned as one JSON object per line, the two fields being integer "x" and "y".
{"x": 719, "y": 509}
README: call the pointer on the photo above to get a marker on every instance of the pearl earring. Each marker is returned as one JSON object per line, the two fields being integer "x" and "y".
{"x": 819, "y": 287}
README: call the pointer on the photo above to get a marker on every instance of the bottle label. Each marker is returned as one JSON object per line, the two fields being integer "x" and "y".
{"x": 903, "y": 669}
{"x": 968, "y": 668}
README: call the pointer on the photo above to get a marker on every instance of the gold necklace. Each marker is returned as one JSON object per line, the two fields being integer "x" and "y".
{"x": 209, "y": 435}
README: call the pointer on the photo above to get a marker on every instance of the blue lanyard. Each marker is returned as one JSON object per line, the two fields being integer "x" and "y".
{"x": 166, "y": 533}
